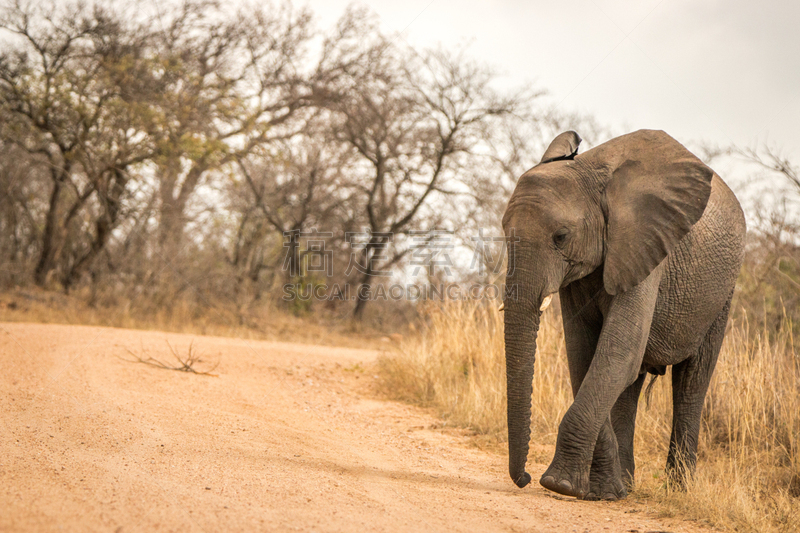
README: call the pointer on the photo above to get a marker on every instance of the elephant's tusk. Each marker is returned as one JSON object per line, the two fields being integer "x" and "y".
{"x": 545, "y": 304}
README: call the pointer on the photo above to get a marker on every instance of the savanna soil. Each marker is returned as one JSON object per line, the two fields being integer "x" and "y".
{"x": 285, "y": 437}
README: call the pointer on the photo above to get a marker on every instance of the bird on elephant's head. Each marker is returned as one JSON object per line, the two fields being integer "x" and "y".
{"x": 643, "y": 243}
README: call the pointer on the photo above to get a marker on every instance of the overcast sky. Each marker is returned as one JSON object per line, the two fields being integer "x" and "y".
{"x": 702, "y": 70}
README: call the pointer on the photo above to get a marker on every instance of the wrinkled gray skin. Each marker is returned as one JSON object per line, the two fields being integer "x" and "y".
{"x": 643, "y": 243}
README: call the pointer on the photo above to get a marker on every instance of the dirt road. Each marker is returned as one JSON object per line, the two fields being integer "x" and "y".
{"x": 286, "y": 438}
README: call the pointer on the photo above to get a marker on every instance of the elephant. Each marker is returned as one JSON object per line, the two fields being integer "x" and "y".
{"x": 643, "y": 243}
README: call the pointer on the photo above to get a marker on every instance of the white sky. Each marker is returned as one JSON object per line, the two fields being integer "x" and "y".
{"x": 703, "y": 70}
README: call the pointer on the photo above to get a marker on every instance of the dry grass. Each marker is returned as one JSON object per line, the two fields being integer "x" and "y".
{"x": 457, "y": 367}
{"x": 748, "y": 476}
{"x": 183, "y": 315}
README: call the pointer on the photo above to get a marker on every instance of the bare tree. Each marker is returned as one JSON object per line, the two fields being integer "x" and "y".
{"x": 217, "y": 86}
{"x": 59, "y": 95}
{"x": 289, "y": 193}
{"x": 232, "y": 134}
{"x": 22, "y": 178}
{"x": 416, "y": 122}
{"x": 771, "y": 159}
{"x": 768, "y": 290}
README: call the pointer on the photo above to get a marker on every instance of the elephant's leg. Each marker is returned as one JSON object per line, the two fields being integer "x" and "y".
{"x": 623, "y": 420}
{"x": 605, "y": 481}
{"x": 615, "y": 366}
{"x": 582, "y": 327}
{"x": 690, "y": 380}
{"x": 612, "y": 470}
{"x": 605, "y": 475}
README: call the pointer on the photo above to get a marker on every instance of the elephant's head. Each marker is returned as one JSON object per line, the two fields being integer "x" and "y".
{"x": 622, "y": 207}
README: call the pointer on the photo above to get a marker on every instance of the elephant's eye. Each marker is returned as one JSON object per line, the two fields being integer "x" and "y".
{"x": 560, "y": 236}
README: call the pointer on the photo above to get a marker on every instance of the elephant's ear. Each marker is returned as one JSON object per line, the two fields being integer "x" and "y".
{"x": 565, "y": 146}
{"x": 652, "y": 200}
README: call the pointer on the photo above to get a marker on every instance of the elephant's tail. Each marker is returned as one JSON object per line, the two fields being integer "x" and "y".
{"x": 656, "y": 371}
{"x": 649, "y": 390}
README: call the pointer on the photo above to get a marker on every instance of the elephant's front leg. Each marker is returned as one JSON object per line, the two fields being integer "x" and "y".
{"x": 582, "y": 326}
{"x": 615, "y": 366}
{"x": 605, "y": 475}
{"x": 597, "y": 478}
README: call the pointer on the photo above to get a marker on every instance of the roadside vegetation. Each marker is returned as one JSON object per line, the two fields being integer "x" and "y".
{"x": 748, "y": 475}
{"x": 263, "y": 321}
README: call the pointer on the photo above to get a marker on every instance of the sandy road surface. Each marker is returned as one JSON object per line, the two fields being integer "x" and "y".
{"x": 286, "y": 438}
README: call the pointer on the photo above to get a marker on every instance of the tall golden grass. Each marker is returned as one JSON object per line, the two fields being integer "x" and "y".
{"x": 748, "y": 475}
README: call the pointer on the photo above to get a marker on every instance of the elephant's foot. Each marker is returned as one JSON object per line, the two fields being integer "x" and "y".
{"x": 628, "y": 468}
{"x": 611, "y": 489}
{"x": 677, "y": 479}
{"x": 680, "y": 468}
{"x": 605, "y": 478}
{"x": 679, "y": 475}
{"x": 628, "y": 480}
{"x": 573, "y": 482}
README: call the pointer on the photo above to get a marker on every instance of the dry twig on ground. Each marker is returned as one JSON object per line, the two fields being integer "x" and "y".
{"x": 186, "y": 363}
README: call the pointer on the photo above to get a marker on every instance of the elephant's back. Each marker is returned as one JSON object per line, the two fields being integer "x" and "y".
{"x": 699, "y": 277}
{"x": 715, "y": 245}
{"x": 723, "y": 214}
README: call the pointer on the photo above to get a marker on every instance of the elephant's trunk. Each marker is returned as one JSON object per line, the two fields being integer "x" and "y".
{"x": 521, "y": 328}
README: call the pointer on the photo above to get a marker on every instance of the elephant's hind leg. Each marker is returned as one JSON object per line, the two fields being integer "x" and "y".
{"x": 690, "y": 380}
{"x": 623, "y": 420}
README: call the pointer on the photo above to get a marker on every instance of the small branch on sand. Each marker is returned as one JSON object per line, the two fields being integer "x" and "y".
{"x": 185, "y": 363}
